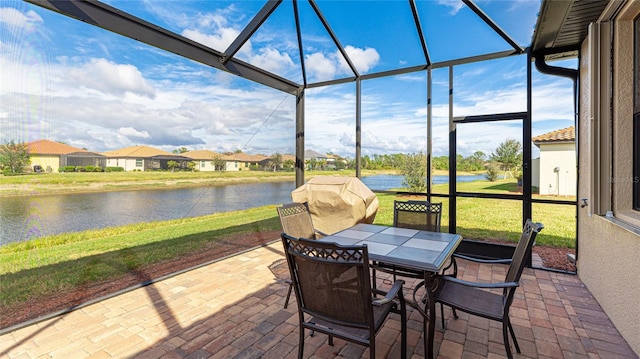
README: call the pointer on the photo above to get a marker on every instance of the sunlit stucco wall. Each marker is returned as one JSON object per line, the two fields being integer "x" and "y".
{"x": 128, "y": 164}
{"x": 609, "y": 252}
{"x": 52, "y": 161}
{"x": 558, "y": 169}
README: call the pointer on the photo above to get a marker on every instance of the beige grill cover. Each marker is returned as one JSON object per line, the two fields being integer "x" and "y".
{"x": 337, "y": 202}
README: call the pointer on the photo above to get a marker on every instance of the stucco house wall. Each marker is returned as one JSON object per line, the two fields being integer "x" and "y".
{"x": 558, "y": 169}
{"x": 535, "y": 172}
{"x": 45, "y": 161}
{"x": 609, "y": 245}
{"x": 129, "y": 164}
{"x": 208, "y": 166}
{"x": 204, "y": 160}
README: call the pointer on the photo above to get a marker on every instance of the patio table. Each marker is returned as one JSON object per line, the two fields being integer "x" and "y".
{"x": 420, "y": 250}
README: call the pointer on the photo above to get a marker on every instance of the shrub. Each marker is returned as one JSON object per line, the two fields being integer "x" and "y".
{"x": 67, "y": 169}
{"x": 492, "y": 171}
{"x": 114, "y": 169}
{"x": 8, "y": 172}
{"x": 93, "y": 169}
{"x": 414, "y": 170}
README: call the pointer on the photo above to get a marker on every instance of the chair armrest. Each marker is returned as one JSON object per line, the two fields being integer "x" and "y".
{"x": 392, "y": 293}
{"x": 479, "y": 260}
{"x": 481, "y": 285}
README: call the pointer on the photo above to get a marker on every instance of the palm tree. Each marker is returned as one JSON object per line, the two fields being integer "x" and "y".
{"x": 276, "y": 161}
{"x": 172, "y": 165}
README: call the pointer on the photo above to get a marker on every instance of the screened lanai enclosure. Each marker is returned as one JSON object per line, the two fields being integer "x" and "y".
{"x": 450, "y": 80}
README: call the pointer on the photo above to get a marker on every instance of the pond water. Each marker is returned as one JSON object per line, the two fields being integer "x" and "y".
{"x": 387, "y": 182}
{"x": 24, "y": 218}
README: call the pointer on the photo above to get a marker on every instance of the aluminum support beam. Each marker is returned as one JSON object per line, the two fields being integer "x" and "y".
{"x": 493, "y": 25}
{"x": 250, "y": 29}
{"x": 492, "y": 117}
{"x": 527, "y": 167}
{"x": 418, "y": 68}
{"x": 300, "y": 48}
{"x": 358, "y": 128}
{"x": 453, "y": 181}
{"x": 98, "y": 14}
{"x": 423, "y": 42}
{"x": 300, "y": 138}
{"x": 429, "y": 133}
{"x": 333, "y": 37}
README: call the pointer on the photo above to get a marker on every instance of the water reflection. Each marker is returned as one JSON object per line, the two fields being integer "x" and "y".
{"x": 25, "y": 218}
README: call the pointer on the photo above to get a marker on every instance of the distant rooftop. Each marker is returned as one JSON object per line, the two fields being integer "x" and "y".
{"x": 563, "y": 135}
{"x": 137, "y": 151}
{"x": 46, "y": 147}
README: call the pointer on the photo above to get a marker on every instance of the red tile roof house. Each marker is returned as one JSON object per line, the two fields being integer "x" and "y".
{"x": 557, "y": 174}
{"x": 144, "y": 158}
{"x": 52, "y": 156}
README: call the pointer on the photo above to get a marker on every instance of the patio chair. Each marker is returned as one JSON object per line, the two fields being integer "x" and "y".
{"x": 295, "y": 219}
{"x": 481, "y": 299}
{"x": 421, "y": 215}
{"x": 334, "y": 294}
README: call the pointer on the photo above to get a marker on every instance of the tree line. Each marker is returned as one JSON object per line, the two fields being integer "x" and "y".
{"x": 507, "y": 158}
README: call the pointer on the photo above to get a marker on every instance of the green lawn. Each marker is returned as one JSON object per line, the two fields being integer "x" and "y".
{"x": 39, "y": 267}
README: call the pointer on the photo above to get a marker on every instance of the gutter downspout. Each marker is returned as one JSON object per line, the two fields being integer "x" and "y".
{"x": 573, "y": 75}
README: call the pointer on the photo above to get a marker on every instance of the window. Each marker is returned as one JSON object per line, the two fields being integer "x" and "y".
{"x": 636, "y": 115}
{"x": 138, "y": 162}
{"x": 202, "y": 163}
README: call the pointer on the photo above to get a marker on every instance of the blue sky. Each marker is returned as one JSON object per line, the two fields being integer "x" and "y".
{"x": 67, "y": 81}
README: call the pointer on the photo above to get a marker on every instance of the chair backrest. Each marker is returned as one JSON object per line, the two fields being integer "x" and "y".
{"x": 421, "y": 215}
{"x": 332, "y": 282}
{"x": 295, "y": 219}
{"x": 529, "y": 232}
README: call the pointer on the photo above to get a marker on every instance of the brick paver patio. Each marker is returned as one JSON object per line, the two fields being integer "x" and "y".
{"x": 233, "y": 309}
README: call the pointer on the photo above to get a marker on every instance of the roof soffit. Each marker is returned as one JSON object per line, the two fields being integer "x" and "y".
{"x": 562, "y": 26}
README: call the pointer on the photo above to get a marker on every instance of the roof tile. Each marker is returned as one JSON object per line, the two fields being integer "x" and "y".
{"x": 137, "y": 151}
{"x": 563, "y": 135}
{"x": 46, "y": 147}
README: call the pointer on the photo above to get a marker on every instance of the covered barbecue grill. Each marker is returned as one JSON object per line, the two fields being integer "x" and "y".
{"x": 337, "y": 202}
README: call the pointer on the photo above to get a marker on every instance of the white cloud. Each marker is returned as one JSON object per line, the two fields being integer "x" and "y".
{"x": 110, "y": 78}
{"x": 319, "y": 67}
{"x": 454, "y": 5}
{"x": 132, "y": 132}
{"x": 323, "y": 67}
{"x": 15, "y": 19}
{"x": 272, "y": 60}
{"x": 363, "y": 59}
{"x": 219, "y": 41}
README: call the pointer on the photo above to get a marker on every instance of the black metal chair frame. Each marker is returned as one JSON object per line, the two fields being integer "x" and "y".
{"x": 296, "y": 221}
{"x": 302, "y": 227}
{"x": 479, "y": 299}
{"x": 334, "y": 295}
